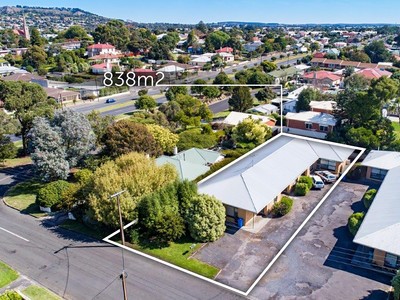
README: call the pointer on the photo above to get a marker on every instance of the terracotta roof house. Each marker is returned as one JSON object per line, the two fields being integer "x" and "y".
{"x": 224, "y": 49}
{"x": 373, "y": 73}
{"x": 98, "y": 49}
{"x": 322, "y": 78}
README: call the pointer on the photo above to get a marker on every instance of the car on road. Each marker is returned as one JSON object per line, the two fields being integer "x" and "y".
{"x": 326, "y": 176}
{"x": 111, "y": 100}
{"x": 317, "y": 182}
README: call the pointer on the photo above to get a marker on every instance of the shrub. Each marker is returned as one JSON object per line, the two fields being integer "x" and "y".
{"x": 396, "y": 285}
{"x": 51, "y": 194}
{"x": 369, "y": 197}
{"x": 354, "y": 222}
{"x": 301, "y": 189}
{"x": 10, "y": 295}
{"x": 307, "y": 180}
{"x": 282, "y": 207}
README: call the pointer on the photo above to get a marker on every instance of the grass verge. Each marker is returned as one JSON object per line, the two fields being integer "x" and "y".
{"x": 396, "y": 127}
{"x": 7, "y": 275}
{"x": 35, "y": 292}
{"x": 221, "y": 114}
{"x": 116, "y": 106}
{"x": 178, "y": 253}
{"x": 82, "y": 228}
{"x": 23, "y": 197}
{"x": 15, "y": 162}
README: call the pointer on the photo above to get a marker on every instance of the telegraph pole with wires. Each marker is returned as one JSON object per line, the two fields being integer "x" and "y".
{"x": 123, "y": 274}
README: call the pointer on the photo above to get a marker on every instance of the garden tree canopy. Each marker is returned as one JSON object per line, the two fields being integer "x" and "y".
{"x": 114, "y": 32}
{"x": 206, "y": 219}
{"x": 126, "y": 136}
{"x": 76, "y": 133}
{"x": 241, "y": 99}
{"x": 75, "y": 32}
{"x": 173, "y": 91}
{"x": 27, "y": 100}
{"x": 384, "y": 89}
{"x": 191, "y": 38}
{"x": 141, "y": 39}
{"x": 354, "y": 222}
{"x": 34, "y": 56}
{"x": 48, "y": 153}
{"x": 36, "y": 39}
{"x": 216, "y": 40}
{"x": 222, "y": 78}
{"x": 305, "y": 97}
{"x": 197, "y": 138}
{"x": 250, "y": 133}
{"x": 198, "y": 89}
{"x": 356, "y": 82}
{"x": 146, "y": 102}
{"x": 268, "y": 66}
{"x": 163, "y": 137}
{"x": 377, "y": 52}
{"x": 266, "y": 94}
{"x": 362, "y": 137}
{"x": 134, "y": 172}
{"x": 159, "y": 214}
{"x": 99, "y": 124}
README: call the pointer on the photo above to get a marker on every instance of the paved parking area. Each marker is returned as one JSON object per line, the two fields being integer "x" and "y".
{"x": 243, "y": 256}
{"x": 317, "y": 264}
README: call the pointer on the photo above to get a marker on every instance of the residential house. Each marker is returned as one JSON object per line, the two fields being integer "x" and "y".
{"x": 61, "y": 95}
{"x": 248, "y": 186}
{"x": 252, "y": 46}
{"x": 104, "y": 62}
{"x": 191, "y": 163}
{"x": 323, "y": 106}
{"x": 224, "y": 50}
{"x": 234, "y": 118}
{"x": 322, "y": 78}
{"x": 342, "y": 64}
{"x": 310, "y": 123}
{"x": 375, "y": 73}
{"x": 200, "y": 60}
{"x": 380, "y": 229}
{"x": 99, "y": 49}
{"x": 266, "y": 109}
{"x": 227, "y": 57}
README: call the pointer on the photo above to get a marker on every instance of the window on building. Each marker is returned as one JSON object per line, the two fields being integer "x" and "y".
{"x": 308, "y": 125}
{"x": 231, "y": 211}
{"x": 323, "y": 128}
{"x": 378, "y": 173}
{"x": 327, "y": 164}
{"x": 392, "y": 261}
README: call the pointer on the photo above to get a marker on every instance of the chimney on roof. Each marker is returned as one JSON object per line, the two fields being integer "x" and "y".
{"x": 175, "y": 150}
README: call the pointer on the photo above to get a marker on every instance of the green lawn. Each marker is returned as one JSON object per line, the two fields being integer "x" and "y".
{"x": 22, "y": 197}
{"x": 7, "y": 275}
{"x": 178, "y": 253}
{"x": 8, "y": 295}
{"x": 221, "y": 114}
{"x": 14, "y": 162}
{"x": 82, "y": 228}
{"x": 35, "y": 292}
{"x": 396, "y": 126}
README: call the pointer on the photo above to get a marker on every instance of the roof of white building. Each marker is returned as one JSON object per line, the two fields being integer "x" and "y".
{"x": 380, "y": 228}
{"x": 235, "y": 118}
{"x": 327, "y": 105}
{"x": 312, "y": 117}
{"x": 254, "y": 180}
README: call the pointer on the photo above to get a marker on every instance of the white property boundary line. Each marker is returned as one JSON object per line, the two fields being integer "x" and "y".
{"x": 248, "y": 291}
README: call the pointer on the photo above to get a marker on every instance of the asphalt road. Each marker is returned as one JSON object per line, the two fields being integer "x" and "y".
{"x": 77, "y": 267}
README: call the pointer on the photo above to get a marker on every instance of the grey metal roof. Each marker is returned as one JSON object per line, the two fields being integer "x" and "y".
{"x": 186, "y": 170}
{"x": 380, "y": 228}
{"x": 254, "y": 180}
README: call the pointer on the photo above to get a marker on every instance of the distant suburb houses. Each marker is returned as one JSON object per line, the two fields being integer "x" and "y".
{"x": 250, "y": 185}
{"x": 380, "y": 229}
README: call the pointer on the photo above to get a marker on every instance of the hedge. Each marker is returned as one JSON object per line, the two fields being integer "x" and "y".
{"x": 354, "y": 222}
{"x": 51, "y": 194}
{"x": 282, "y": 207}
{"x": 301, "y": 189}
{"x": 107, "y": 91}
{"x": 369, "y": 197}
{"x": 307, "y": 180}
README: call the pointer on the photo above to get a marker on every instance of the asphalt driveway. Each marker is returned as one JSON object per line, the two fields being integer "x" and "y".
{"x": 243, "y": 256}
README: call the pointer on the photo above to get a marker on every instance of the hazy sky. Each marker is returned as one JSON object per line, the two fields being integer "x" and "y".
{"x": 281, "y": 11}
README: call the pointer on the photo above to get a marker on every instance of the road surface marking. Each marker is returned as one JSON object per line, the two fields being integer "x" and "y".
{"x": 14, "y": 234}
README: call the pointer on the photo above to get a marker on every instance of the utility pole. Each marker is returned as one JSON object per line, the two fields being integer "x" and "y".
{"x": 123, "y": 274}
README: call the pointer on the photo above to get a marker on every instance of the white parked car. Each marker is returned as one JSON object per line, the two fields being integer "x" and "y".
{"x": 317, "y": 182}
{"x": 326, "y": 176}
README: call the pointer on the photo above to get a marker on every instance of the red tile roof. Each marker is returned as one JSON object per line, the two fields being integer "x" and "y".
{"x": 225, "y": 49}
{"x": 322, "y": 75}
{"x": 370, "y": 73}
{"x": 319, "y": 55}
{"x": 101, "y": 46}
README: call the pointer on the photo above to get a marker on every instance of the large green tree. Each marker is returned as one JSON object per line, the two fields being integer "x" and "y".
{"x": 241, "y": 99}
{"x": 27, "y": 101}
{"x": 250, "y": 133}
{"x": 305, "y": 97}
{"x": 126, "y": 136}
{"x": 35, "y": 56}
{"x": 166, "y": 139}
{"x": 113, "y": 32}
{"x": 216, "y": 40}
{"x": 377, "y": 52}
{"x": 133, "y": 172}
